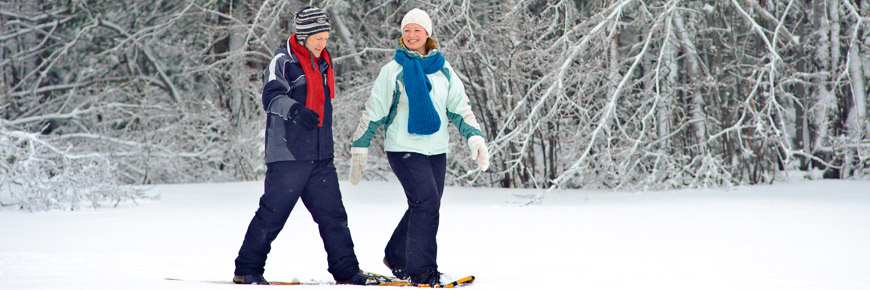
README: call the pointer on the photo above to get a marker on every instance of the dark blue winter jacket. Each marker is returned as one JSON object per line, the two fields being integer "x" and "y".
{"x": 284, "y": 85}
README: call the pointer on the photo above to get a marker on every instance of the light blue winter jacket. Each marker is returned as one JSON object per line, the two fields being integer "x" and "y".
{"x": 388, "y": 106}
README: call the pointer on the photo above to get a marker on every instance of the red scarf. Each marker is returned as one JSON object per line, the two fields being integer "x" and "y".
{"x": 314, "y": 99}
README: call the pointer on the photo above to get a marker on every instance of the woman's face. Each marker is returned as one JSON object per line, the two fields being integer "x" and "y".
{"x": 414, "y": 38}
{"x": 316, "y": 43}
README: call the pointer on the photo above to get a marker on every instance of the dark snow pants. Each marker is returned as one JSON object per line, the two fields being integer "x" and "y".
{"x": 413, "y": 246}
{"x": 316, "y": 182}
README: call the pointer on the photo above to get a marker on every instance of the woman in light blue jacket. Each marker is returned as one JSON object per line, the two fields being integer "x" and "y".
{"x": 414, "y": 97}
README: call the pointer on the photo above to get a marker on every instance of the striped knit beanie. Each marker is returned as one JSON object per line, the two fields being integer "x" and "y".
{"x": 310, "y": 21}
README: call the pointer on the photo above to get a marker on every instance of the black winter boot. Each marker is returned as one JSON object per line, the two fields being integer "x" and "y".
{"x": 397, "y": 271}
{"x": 364, "y": 278}
{"x": 431, "y": 278}
{"x": 250, "y": 279}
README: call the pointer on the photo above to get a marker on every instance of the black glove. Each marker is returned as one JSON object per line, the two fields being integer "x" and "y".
{"x": 305, "y": 117}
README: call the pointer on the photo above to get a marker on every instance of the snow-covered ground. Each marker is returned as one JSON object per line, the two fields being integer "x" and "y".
{"x": 803, "y": 235}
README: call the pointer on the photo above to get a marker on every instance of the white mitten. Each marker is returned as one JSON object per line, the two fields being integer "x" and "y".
{"x": 479, "y": 152}
{"x": 359, "y": 157}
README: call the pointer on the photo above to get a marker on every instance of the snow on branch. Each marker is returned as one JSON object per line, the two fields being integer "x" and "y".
{"x": 150, "y": 57}
{"x": 619, "y": 94}
{"x": 610, "y": 109}
{"x": 35, "y": 175}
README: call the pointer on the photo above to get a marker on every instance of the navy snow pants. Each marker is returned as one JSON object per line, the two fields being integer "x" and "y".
{"x": 316, "y": 182}
{"x": 413, "y": 245}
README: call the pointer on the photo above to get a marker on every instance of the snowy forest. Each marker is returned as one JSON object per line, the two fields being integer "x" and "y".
{"x": 96, "y": 95}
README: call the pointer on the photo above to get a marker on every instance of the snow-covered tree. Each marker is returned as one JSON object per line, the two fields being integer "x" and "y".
{"x": 571, "y": 93}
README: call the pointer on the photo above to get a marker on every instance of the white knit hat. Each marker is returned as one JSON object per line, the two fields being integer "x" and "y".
{"x": 418, "y": 17}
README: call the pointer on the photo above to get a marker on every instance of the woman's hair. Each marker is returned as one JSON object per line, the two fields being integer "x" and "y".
{"x": 431, "y": 44}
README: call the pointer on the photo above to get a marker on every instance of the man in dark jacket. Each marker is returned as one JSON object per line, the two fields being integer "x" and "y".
{"x": 298, "y": 87}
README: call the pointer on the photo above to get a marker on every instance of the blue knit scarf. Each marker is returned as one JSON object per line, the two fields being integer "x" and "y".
{"x": 423, "y": 119}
